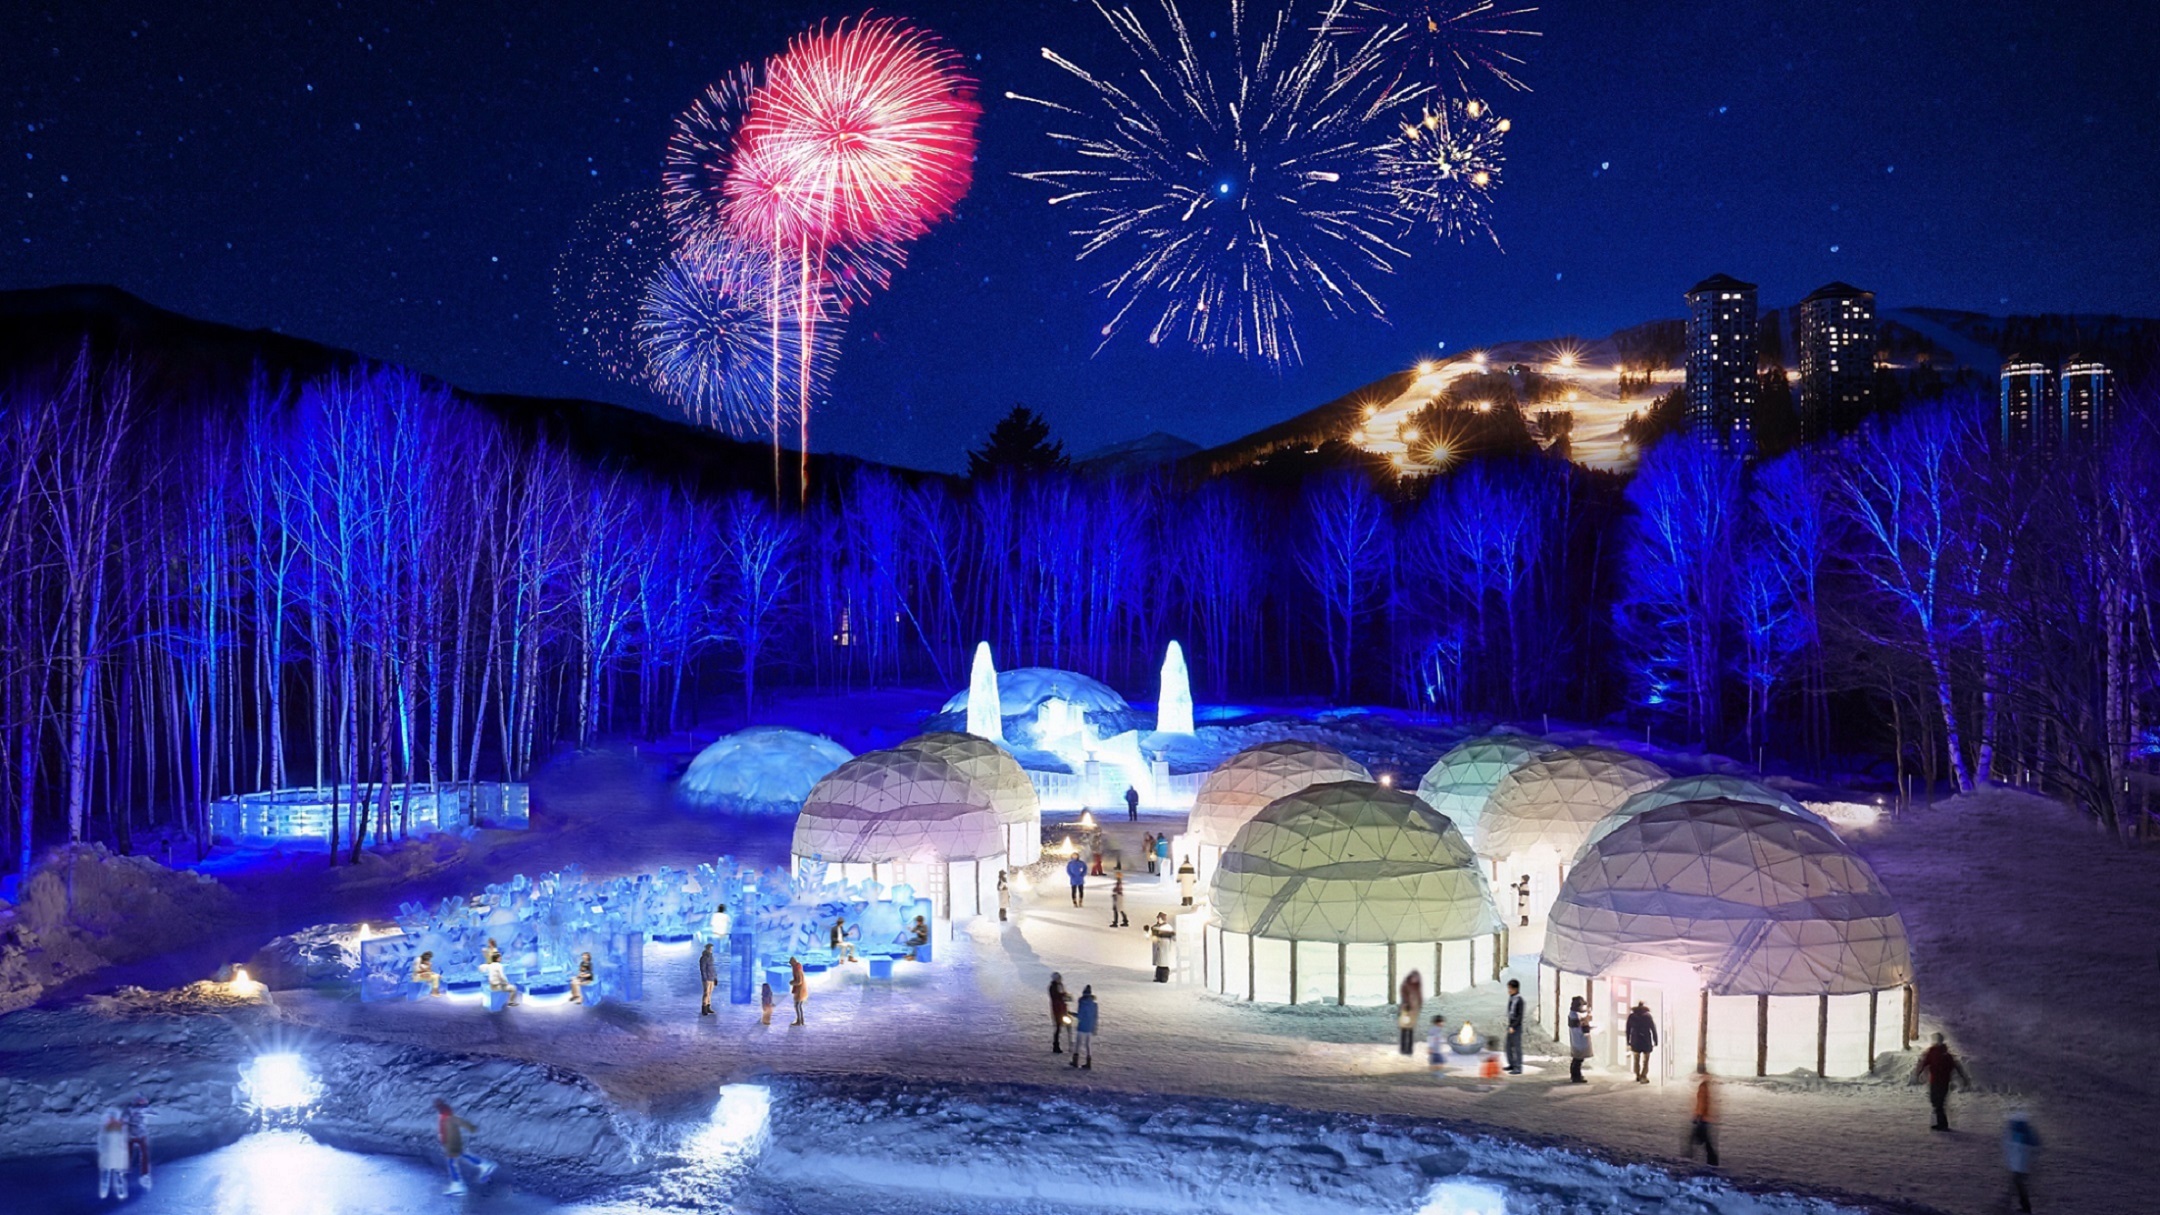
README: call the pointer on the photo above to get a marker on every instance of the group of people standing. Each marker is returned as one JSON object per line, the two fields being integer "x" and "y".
{"x": 1080, "y": 1017}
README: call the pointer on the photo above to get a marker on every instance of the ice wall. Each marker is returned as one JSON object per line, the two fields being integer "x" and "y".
{"x": 985, "y": 717}
{"x": 1173, "y": 708}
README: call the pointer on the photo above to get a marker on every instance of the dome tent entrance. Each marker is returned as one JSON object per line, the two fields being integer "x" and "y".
{"x": 1247, "y": 783}
{"x": 903, "y": 816}
{"x": 1772, "y": 947}
{"x": 993, "y": 770}
{"x": 1540, "y": 813}
{"x": 1334, "y": 893}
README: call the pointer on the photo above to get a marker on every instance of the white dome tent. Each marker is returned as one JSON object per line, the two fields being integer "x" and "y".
{"x": 1762, "y": 944}
{"x": 1540, "y": 813}
{"x": 1334, "y": 893}
{"x": 760, "y": 768}
{"x": 902, "y": 816}
{"x": 1247, "y": 783}
{"x": 993, "y": 770}
{"x": 1459, "y": 782}
{"x": 1696, "y": 789}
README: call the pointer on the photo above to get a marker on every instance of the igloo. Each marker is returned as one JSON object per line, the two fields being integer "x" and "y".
{"x": 1333, "y": 893}
{"x": 1760, "y": 942}
{"x": 1699, "y": 788}
{"x": 902, "y": 816}
{"x": 993, "y": 770}
{"x": 768, "y": 768}
{"x": 1245, "y": 784}
{"x": 1062, "y": 712}
{"x": 1460, "y": 781}
{"x": 1540, "y": 813}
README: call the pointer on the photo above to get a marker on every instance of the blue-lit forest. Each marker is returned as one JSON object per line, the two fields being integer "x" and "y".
{"x": 364, "y": 579}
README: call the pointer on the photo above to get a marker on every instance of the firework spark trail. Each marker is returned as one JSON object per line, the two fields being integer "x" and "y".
{"x": 1445, "y": 166}
{"x": 710, "y": 349}
{"x": 1233, "y": 192}
{"x": 1452, "y": 44}
{"x": 599, "y": 279}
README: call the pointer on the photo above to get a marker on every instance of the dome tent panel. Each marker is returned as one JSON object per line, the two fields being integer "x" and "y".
{"x": 899, "y": 815}
{"x": 1246, "y": 783}
{"x": 994, "y": 770}
{"x": 1460, "y": 782}
{"x": 1699, "y": 788}
{"x": 760, "y": 767}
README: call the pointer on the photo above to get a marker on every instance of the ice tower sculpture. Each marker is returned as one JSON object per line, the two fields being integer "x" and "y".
{"x": 985, "y": 717}
{"x": 1173, "y": 708}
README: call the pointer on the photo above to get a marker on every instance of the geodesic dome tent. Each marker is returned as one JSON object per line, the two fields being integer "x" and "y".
{"x": 1044, "y": 707}
{"x": 993, "y": 770}
{"x": 903, "y": 816}
{"x": 1459, "y": 782}
{"x": 1769, "y": 946}
{"x": 1333, "y": 893}
{"x": 1247, "y": 783}
{"x": 1699, "y": 788}
{"x": 1540, "y": 813}
{"x": 762, "y": 768}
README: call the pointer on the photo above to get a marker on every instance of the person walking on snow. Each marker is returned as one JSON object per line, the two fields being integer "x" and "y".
{"x": 1164, "y": 946}
{"x": 1004, "y": 897}
{"x": 1514, "y": 1027}
{"x": 1578, "y": 1033}
{"x": 1162, "y": 853}
{"x": 1186, "y": 877}
{"x": 1436, "y": 1043}
{"x": 1410, "y": 1001}
{"x": 1147, "y": 849}
{"x": 1118, "y": 918}
{"x": 112, "y": 1155}
{"x": 1940, "y": 1067}
{"x": 1132, "y": 804}
{"x": 2020, "y": 1143}
{"x": 1057, "y": 1014}
{"x": 138, "y": 1128}
{"x": 1084, "y": 1030}
{"x": 798, "y": 987}
{"x": 1076, "y": 874}
{"x": 451, "y": 1130}
{"x": 1641, "y": 1039}
{"x": 1701, "y": 1127}
{"x": 708, "y": 973}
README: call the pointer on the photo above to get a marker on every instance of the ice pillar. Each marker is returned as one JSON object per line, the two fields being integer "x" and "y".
{"x": 1173, "y": 708}
{"x": 985, "y": 717}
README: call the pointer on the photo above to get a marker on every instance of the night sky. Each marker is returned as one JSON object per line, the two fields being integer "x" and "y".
{"x": 401, "y": 178}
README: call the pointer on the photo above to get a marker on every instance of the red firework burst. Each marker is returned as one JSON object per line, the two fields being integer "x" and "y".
{"x": 861, "y": 133}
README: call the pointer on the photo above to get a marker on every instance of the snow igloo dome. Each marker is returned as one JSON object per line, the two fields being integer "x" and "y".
{"x": 1044, "y": 707}
{"x": 1336, "y": 891}
{"x": 1459, "y": 782}
{"x": 763, "y": 766}
{"x": 1700, "y": 788}
{"x": 992, "y": 769}
{"x": 1756, "y": 927}
{"x": 1248, "y": 782}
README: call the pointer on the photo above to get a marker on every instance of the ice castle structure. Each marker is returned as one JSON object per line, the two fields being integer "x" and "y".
{"x": 985, "y": 717}
{"x": 1173, "y": 708}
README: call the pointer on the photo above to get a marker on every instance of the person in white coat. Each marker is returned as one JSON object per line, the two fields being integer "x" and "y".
{"x": 112, "y": 1155}
{"x": 1164, "y": 945}
{"x": 1578, "y": 1032}
{"x": 1004, "y": 897}
{"x": 1187, "y": 878}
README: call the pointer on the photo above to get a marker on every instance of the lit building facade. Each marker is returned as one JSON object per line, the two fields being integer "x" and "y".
{"x": 2085, "y": 400}
{"x": 1722, "y": 339}
{"x": 1834, "y": 327}
{"x": 2028, "y": 397}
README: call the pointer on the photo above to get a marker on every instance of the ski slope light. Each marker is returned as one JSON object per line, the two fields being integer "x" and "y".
{"x": 279, "y": 1082}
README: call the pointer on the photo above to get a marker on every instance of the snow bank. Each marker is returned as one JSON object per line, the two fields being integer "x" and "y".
{"x": 85, "y": 908}
{"x": 769, "y": 769}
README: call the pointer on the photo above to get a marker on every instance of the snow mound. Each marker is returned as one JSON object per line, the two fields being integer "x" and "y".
{"x": 326, "y": 953}
{"x": 770, "y": 768}
{"x": 85, "y": 908}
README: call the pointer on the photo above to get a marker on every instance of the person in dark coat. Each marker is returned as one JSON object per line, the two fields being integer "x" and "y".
{"x": 1076, "y": 873}
{"x": 1410, "y": 1001}
{"x": 1118, "y": 918}
{"x": 2020, "y": 1143}
{"x": 1641, "y": 1039}
{"x": 1147, "y": 846}
{"x": 708, "y": 973}
{"x": 1940, "y": 1067}
{"x": 1132, "y": 804}
{"x": 1514, "y": 1027}
{"x": 1058, "y": 1008}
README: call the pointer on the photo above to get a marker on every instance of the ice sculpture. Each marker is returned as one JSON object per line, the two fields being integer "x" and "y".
{"x": 1173, "y": 708}
{"x": 985, "y": 719}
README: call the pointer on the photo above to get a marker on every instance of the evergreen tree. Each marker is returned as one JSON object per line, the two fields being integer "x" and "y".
{"x": 1019, "y": 443}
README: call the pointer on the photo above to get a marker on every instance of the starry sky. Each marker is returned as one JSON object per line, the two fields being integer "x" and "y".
{"x": 401, "y": 178}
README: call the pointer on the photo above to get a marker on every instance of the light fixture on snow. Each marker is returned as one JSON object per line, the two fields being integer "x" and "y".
{"x": 279, "y": 1083}
{"x": 739, "y": 1122}
{"x": 241, "y": 985}
{"x": 1456, "y": 1196}
{"x": 1087, "y": 821}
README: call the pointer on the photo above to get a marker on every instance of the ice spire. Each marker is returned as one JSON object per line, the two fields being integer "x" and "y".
{"x": 1173, "y": 708}
{"x": 985, "y": 717}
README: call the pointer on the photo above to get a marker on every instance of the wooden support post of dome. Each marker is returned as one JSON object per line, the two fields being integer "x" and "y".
{"x": 1762, "y": 1035}
{"x": 1822, "y": 1036}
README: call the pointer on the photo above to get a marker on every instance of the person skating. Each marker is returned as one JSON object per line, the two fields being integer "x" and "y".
{"x": 1702, "y": 1126}
{"x": 1076, "y": 875}
{"x": 1578, "y": 1032}
{"x": 2020, "y": 1144}
{"x": 1004, "y": 897}
{"x": 1940, "y": 1067}
{"x": 1642, "y": 1038}
{"x": 1409, "y": 1002}
{"x": 1147, "y": 849}
{"x": 798, "y": 987}
{"x": 1084, "y": 1030}
{"x": 708, "y": 973}
{"x": 1187, "y": 877}
{"x": 112, "y": 1155}
{"x": 1058, "y": 1009}
{"x": 450, "y": 1131}
{"x": 582, "y": 978}
{"x": 1132, "y": 804}
{"x": 1118, "y": 919}
{"x": 138, "y": 1130}
{"x": 1514, "y": 1027}
{"x": 1164, "y": 946}
{"x": 423, "y": 971}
